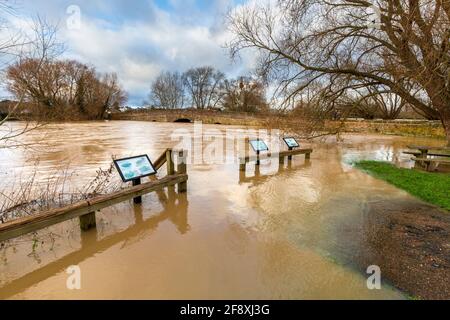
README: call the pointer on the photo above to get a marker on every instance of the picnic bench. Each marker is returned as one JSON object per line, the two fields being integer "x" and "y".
{"x": 429, "y": 157}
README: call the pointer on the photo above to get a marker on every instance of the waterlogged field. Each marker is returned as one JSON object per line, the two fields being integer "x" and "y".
{"x": 281, "y": 232}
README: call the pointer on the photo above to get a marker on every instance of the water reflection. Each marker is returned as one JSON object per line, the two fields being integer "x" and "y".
{"x": 259, "y": 178}
{"x": 175, "y": 210}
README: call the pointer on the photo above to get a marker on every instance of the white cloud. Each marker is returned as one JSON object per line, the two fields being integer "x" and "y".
{"x": 138, "y": 49}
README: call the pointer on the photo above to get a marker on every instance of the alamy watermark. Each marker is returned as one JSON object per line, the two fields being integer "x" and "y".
{"x": 374, "y": 280}
{"x": 73, "y": 22}
{"x": 210, "y": 146}
{"x": 73, "y": 282}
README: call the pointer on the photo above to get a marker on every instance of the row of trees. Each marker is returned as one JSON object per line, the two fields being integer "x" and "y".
{"x": 65, "y": 89}
{"x": 204, "y": 88}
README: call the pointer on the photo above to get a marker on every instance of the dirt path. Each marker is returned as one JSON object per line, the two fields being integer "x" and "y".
{"x": 410, "y": 242}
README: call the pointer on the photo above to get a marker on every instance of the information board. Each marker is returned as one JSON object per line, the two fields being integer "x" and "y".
{"x": 259, "y": 145}
{"x": 133, "y": 168}
{"x": 291, "y": 142}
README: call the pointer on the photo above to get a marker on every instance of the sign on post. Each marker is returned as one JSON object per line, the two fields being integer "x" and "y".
{"x": 134, "y": 168}
{"x": 258, "y": 145}
{"x": 291, "y": 142}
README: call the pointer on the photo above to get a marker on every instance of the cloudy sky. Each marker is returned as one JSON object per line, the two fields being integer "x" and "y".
{"x": 138, "y": 39}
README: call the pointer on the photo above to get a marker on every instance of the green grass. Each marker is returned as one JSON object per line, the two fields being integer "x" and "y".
{"x": 430, "y": 187}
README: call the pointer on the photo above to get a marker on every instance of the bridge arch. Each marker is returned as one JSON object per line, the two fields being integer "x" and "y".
{"x": 183, "y": 120}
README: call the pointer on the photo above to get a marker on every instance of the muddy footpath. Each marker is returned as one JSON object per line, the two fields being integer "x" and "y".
{"x": 410, "y": 242}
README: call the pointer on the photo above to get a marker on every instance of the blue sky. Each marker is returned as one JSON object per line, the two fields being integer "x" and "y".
{"x": 139, "y": 39}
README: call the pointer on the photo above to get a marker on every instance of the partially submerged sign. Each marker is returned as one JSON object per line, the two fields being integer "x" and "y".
{"x": 258, "y": 145}
{"x": 134, "y": 168}
{"x": 291, "y": 142}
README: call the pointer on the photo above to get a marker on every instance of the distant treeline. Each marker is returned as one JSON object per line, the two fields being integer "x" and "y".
{"x": 70, "y": 90}
{"x": 207, "y": 88}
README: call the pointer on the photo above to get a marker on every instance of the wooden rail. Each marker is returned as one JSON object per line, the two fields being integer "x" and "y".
{"x": 86, "y": 209}
{"x": 159, "y": 162}
{"x": 281, "y": 155}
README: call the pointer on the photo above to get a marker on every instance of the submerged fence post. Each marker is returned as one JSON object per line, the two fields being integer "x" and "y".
{"x": 170, "y": 163}
{"x": 290, "y": 157}
{"x": 182, "y": 186}
{"x": 87, "y": 221}
{"x": 307, "y": 156}
{"x": 137, "y": 182}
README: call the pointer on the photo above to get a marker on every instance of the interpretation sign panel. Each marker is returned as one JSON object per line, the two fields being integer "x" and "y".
{"x": 133, "y": 168}
{"x": 259, "y": 145}
{"x": 291, "y": 142}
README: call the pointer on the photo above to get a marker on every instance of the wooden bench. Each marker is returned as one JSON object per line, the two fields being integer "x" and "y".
{"x": 437, "y": 154}
{"x": 424, "y": 157}
{"x": 429, "y": 161}
{"x": 414, "y": 153}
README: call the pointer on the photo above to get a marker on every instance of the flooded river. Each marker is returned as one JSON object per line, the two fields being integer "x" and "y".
{"x": 289, "y": 232}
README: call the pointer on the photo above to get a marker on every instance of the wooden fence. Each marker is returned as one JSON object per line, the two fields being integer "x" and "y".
{"x": 85, "y": 210}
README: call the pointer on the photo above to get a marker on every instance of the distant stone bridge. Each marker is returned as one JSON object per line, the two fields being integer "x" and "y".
{"x": 191, "y": 115}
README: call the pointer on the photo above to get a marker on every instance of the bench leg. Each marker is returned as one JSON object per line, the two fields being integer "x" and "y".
{"x": 432, "y": 166}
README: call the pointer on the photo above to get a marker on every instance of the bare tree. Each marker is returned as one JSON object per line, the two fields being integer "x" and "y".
{"x": 205, "y": 86}
{"x": 114, "y": 94}
{"x": 40, "y": 45}
{"x": 167, "y": 91}
{"x": 388, "y": 104}
{"x": 245, "y": 95}
{"x": 401, "y": 45}
{"x": 370, "y": 102}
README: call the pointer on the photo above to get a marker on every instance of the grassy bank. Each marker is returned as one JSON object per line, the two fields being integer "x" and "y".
{"x": 431, "y": 187}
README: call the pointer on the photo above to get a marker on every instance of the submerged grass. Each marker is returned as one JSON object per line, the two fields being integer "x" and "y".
{"x": 428, "y": 186}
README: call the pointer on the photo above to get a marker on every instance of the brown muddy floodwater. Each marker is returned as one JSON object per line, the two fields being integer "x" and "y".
{"x": 284, "y": 233}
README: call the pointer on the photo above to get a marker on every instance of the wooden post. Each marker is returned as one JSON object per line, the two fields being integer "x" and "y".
{"x": 137, "y": 182}
{"x": 257, "y": 158}
{"x": 307, "y": 156}
{"x": 290, "y": 157}
{"x": 171, "y": 195}
{"x": 241, "y": 176}
{"x": 170, "y": 163}
{"x": 424, "y": 155}
{"x": 138, "y": 217}
{"x": 182, "y": 186}
{"x": 87, "y": 221}
{"x": 257, "y": 172}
